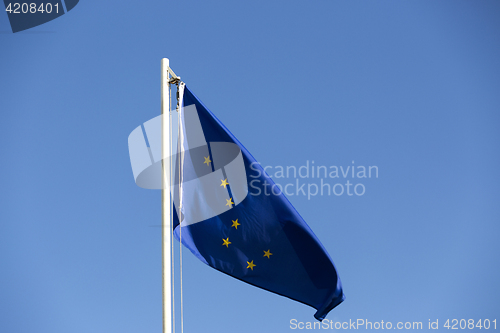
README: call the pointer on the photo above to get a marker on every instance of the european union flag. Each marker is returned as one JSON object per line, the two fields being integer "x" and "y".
{"x": 255, "y": 236}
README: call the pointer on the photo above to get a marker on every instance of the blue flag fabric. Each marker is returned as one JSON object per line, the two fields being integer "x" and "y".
{"x": 233, "y": 223}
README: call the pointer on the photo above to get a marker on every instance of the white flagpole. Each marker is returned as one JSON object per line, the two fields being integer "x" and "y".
{"x": 166, "y": 203}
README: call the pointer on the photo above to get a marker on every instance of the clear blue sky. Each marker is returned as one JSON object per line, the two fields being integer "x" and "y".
{"x": 412, "y": 87}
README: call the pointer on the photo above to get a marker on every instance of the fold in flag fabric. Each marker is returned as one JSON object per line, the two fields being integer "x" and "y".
{"x": 233, "y": 224}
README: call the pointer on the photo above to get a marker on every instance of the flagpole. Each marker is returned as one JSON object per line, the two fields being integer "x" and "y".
{"x": 166, "y": 203}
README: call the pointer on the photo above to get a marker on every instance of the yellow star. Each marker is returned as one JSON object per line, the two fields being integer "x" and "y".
{"x": 229, "y": 202}
{"x": 235, "y": 224}
{"x": 268, "y": 254}
{"x": 226, "y": 242}
{"x": 207, "y": 160}
{"x": 251, "y": 265}
{"x": 224, "y": 183}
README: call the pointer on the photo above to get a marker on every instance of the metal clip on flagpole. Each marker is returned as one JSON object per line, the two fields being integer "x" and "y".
{"x": 174, "y": 79}
{"x": 166, "y": 200}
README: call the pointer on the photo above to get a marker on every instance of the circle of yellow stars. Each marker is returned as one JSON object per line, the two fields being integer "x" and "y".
{"x": 229, "y": 202}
